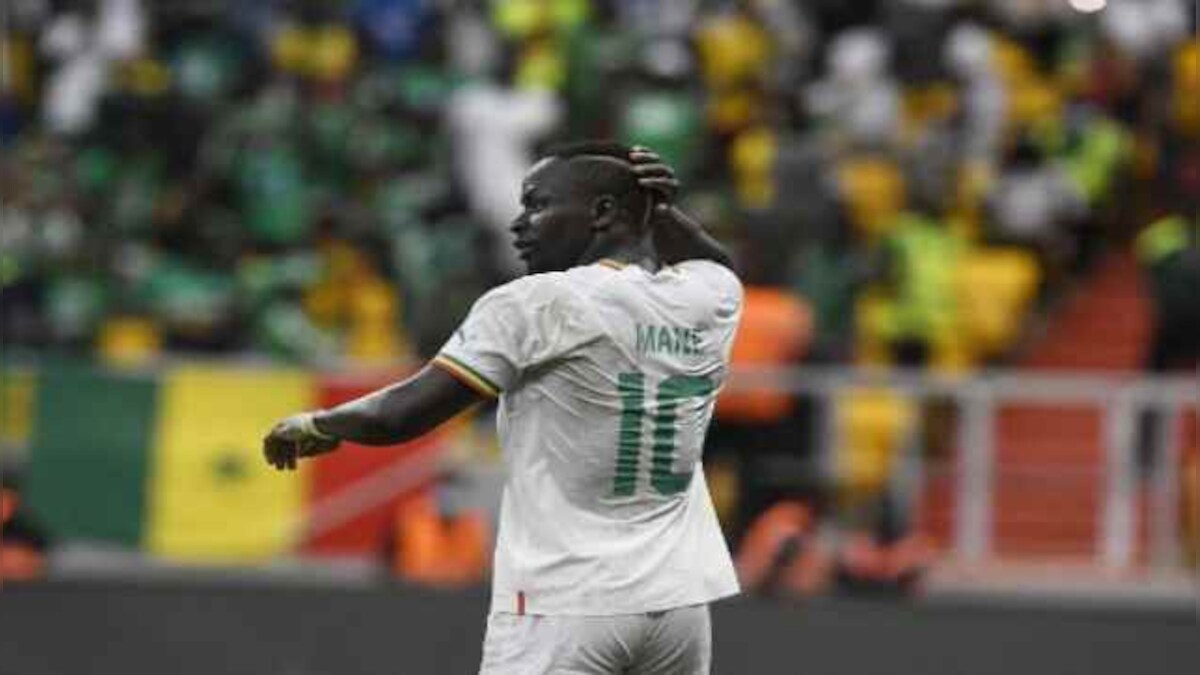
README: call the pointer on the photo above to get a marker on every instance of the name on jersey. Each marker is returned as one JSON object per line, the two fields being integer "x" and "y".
{"x": 674, "y": 340}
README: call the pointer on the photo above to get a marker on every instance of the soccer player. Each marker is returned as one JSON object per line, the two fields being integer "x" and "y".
{"x": 607, "y": 359}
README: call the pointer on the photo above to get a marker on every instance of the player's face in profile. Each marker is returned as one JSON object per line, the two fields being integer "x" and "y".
{"x": 554, "y": 228}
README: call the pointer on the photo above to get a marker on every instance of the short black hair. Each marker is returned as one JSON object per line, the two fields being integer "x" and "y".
{"x": 608, "y": 172}
{"x": 600, "y": 148}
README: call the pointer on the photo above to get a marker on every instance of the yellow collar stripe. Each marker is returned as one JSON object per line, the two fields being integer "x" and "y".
{"x": 610, "y": 263}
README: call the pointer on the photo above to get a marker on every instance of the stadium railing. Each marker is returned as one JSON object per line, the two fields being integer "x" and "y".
{"x": 1120, "y": 400}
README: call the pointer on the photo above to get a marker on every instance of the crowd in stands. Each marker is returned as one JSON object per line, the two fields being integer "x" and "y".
{"x": 319, "y": 180}
{"x": 904, "y": 181}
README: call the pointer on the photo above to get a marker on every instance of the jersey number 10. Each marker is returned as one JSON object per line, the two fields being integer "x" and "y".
{"x": 672, "y": 390}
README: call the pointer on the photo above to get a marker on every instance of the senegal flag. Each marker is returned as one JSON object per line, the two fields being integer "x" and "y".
{"x": 171, "y": 462}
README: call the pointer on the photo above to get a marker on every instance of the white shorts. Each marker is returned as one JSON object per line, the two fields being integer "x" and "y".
{"x": 674, "y": 642}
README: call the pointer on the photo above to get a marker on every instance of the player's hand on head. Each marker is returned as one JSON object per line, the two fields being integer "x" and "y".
{"x": 654, "y": 174}
{"x": 293, "y": 438}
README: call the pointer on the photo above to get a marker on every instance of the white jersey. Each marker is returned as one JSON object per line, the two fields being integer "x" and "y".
{"x": 607, "y": 377}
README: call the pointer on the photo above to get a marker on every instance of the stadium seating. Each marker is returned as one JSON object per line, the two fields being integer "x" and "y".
{"x": 1051, "y": 460}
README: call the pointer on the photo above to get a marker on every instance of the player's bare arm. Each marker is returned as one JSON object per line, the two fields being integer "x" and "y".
{"x": 394, "y": 414}
{"x": 677, "y": 237}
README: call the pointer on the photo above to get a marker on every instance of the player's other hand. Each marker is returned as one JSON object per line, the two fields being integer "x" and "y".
{"x": 655, "y": 175}
{"x": 293, "y": 438}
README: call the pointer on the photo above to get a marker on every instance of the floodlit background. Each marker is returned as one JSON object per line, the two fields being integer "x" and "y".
{"x": 965, "y": 402}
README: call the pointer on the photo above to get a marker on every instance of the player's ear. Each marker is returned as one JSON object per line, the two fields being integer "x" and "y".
{"x": 604, "y": 212}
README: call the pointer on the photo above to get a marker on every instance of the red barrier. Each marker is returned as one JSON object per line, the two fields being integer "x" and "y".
{"x": 368, "y": 532}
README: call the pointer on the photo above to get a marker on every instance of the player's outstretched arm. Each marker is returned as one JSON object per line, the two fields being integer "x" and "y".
{"x": 394, "y": 414}
{"x": 677, "y": 237}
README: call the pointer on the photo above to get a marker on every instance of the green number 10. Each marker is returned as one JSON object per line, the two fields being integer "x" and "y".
{"x": 632, "y": 388}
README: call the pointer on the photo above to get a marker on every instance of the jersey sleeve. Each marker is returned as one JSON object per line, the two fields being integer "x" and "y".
{"x": 510, "y": 329}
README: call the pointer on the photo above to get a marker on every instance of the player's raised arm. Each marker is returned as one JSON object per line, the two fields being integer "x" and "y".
{"x": 677, "y": 237}
{"x": 394, "y": 414}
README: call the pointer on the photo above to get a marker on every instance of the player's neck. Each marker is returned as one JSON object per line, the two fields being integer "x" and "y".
{"x": 640, "y": 252}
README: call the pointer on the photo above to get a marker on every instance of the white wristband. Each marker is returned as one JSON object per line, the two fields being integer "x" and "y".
{"x": 309, "y": 427}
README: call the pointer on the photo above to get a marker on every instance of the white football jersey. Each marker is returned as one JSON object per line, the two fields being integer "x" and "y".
{"x": 607, "y": 377}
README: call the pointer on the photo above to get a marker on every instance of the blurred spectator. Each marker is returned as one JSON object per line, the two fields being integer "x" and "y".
{"x": 830, "y": 265}
{"x": 735, "y": 54}
{"x": 794, "y": 37}
{"x": 918, "y": 262}
{"x": 1144, "y": 29}
{"x": 1035, "y": 204}
{"x": 495, "y": 126}
{"x": 1169, "y": 251}
{"x": 394, "y": 26}
{"x": 470, "y": 44}
{"x": 918, "y": 30}
{"x": 970, "y": 57}
{"x": 23, "y": 545}
{"x": 857, "y": 101}
{"x": 867, "y": 564}
{"x": 784, "y": 553}
{"x": 85, "y": 45}
{"x": 664, "y": 116}
{"x": 439, "y": 541}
